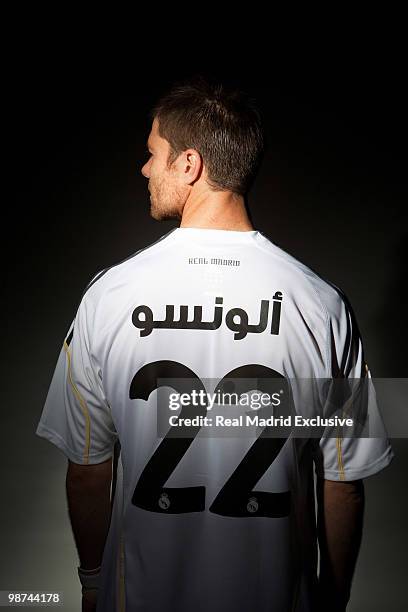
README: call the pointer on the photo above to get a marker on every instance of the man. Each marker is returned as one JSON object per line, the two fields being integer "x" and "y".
{"x": 206, "y": 521}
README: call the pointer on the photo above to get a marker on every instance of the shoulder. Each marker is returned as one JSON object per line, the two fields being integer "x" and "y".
{"x": 331, "y": 299}
{"x": 115, "y": 275}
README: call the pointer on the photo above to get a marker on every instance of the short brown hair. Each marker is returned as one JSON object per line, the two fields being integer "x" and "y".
{"x": 223, "y": 124}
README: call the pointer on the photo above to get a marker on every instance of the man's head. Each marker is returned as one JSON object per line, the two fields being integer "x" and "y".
{"x": 204, "y": 137}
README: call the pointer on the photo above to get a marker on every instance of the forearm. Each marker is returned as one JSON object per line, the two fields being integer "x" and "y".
{"x": 88, "y": 496}
{"x": 340, "y": 523}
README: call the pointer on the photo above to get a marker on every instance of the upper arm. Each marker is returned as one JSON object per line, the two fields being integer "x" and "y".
{"x": 95, "y": 472}
{"x": 350, "y": 457}
{"x": 338, "y": 496}
{"x": 76, "y": 416}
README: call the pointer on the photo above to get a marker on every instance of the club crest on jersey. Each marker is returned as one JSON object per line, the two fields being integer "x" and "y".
{"x": 236, "y": 319}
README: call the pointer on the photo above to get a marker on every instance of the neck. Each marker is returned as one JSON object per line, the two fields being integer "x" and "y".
{"x": 216, "y": 210}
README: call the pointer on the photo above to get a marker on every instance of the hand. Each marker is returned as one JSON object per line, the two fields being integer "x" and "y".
{"x": 89, "y": 598}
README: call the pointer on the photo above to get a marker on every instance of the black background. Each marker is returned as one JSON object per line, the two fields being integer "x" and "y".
{"x": 332, "y": 191}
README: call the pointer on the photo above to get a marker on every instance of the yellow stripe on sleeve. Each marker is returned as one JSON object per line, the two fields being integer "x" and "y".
{"x": 83, "y": 405}
{"x": 340, "y": 458}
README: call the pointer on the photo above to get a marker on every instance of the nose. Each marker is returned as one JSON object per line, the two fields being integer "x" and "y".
{"x": 146, "y": 170}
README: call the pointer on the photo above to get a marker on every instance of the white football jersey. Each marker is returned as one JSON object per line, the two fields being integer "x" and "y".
{"x": 211, "y": 523}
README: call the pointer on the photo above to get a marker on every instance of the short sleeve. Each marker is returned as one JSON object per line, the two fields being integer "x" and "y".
{"x": 76, "y": 416}
{"x": 352, "y": 458}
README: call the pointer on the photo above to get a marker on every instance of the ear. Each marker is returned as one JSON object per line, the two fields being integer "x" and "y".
{"x": 191, "y": 165}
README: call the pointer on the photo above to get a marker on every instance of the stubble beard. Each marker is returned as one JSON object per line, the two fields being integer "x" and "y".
{"x": 165, "y": 202}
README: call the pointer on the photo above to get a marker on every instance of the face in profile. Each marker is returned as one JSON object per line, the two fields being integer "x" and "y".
{"x": 167, "y": 192}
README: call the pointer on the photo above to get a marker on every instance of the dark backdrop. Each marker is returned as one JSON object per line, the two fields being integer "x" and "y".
{"x": 331, "y": 191}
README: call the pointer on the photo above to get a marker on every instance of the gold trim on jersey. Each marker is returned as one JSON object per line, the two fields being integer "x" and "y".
{"x": 83, "y": 405}
{"x": 340, "y": 458}
{"x": 339, "y": 440}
